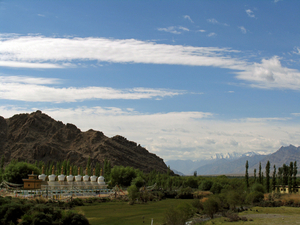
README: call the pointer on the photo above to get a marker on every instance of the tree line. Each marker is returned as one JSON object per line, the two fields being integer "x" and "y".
{"x": 284, "y": 176}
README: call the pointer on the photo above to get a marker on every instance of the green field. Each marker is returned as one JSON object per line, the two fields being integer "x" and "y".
{"x": 110, "y": 213}
{"x": 265, "y": 216}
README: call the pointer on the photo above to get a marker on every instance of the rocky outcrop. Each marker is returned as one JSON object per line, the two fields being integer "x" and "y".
{"x": 36, "y": 136}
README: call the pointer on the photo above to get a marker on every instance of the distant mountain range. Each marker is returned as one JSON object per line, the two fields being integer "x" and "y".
{"x": 234, "y": 163}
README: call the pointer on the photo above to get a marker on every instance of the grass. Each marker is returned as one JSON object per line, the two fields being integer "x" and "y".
{"x": 111, "y": 213}
{"x": 265, "y": 216}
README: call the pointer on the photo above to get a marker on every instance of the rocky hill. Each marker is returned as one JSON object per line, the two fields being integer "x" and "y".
{"x": 36, "y": 136}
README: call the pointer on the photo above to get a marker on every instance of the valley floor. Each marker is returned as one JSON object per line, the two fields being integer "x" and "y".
{"x": 115, "y": 213}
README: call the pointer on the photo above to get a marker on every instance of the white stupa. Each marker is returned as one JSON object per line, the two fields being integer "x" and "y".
{"x": 93, "y": 178}
{"x": 86, "y": 177}
{"x": 42, "y": 176}
{"x": 78, "y": 177}
{"x": 101, "y": 179}
{"x": 52, "y": 176}
{"x": 61, "y": 177}
{"x": 70, "y": 178}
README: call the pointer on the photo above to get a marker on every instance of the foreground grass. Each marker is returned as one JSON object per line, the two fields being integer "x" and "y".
{"x": 111, "y": 213}
{"x": 265, "y": 216}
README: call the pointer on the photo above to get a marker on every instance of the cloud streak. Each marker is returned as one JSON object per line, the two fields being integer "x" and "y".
{"x": 31, "y": 89}
{"x": 51, "y": 52}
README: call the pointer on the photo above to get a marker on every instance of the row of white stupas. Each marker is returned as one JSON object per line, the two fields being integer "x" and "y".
{"x": 62, "y": 178}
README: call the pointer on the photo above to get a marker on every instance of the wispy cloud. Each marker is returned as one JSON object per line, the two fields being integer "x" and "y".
{"x": 243, "y": 29}
{"x": 250, "y": 13}
{"x": 178, "y": 135}
{"x": 33, "y": 89}
{"x": 51, "y": 52}
{"x": 202, "y": 31}
{"x": 174, "y": 29}
{"x": 189, "y": 18}
{"x": 296, "y": 51}
{"x": 41, "y": 15}
{"x": 214, "y": 21}
{"x": 211, "y": 34}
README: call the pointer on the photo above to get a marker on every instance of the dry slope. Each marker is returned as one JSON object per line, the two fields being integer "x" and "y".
{"x": 36, "y": 136}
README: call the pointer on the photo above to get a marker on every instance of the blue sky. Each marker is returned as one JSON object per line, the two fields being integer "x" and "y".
{"x": 185, "y": 79}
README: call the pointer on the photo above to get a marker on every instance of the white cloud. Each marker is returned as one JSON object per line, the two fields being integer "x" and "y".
{"x": 41, "y": 15}
{"x": 34, "y": 90}
{"x": 60, "y": 51}
{"x": 270, "y": 74}
{"x": 202, "y": 31}
{"x": 171, "y": 29}
{"x": 211, "y": 34}
{"x": 243, "y": 29}
{"x": 189, "y": 18}
{"x": 175, "y": 135}
{"x": 250, "y": 13}
{"x": 214, "y": 21}
{"x": 296, "y": 50}
{"x": 174, "y": 29}
{"x": 51, "y": 52}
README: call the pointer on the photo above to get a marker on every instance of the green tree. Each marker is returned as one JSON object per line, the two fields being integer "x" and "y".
{"x": 122, "y": 175}
{"x": 14, "y": 173}
{"x": 133, "y": 192}
{"x": 247, "y": 175}
{"x": 268, "y": 177}
{"x": 274, "y": 179}
{"x": 254, "y": 175}
{"x": 295, "y": 176}
{"x": 211, "y": 207}
{"x": 259, "y": 174}
{"x": 290, "y": 179}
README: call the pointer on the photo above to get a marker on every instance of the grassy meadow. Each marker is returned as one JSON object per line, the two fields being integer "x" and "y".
{"x": 115, "y": 213}
{"x": 264, "y": 216}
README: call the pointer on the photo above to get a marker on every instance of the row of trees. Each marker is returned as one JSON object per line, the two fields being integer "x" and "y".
{"x": 27, "y": 168}
{"x": 286, "y": 176}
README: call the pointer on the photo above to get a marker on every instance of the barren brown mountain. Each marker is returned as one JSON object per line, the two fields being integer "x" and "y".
{"x": 36, "y": 136}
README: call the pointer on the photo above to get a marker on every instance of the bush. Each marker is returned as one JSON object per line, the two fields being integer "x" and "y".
{"x": 258, "y": 188}
{"x": 206, "y": 185}
{"x": 73, "y": 218}
{"x": 14, "y": 173}
{"x": 179, "y": 215}
{"x": 138, "y": 182}
{"x": 211, "y": 207}
{"x": 11, "y": 213}
{"x": 254, "y": 197}
{"x": 133, "y": 193}
{"x": 185, "y": 193}
{"x": 197, "y": 205}
{"x": 216, "y": 188}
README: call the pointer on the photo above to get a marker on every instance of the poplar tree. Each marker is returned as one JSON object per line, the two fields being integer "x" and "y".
{"x": 274, "y": 179}
{"x": 295, "y": 176}
{"x": 254, "y": 175}
{"x": 247, "y": 175}
{"x": 259, "y": 174}
{"x": 290, "y": 179}
{"x": 268, "y": 176}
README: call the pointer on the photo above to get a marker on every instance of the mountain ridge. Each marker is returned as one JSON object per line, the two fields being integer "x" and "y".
{"x": 37, "y": 136}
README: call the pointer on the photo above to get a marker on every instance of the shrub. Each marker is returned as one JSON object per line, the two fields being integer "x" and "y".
{"x": 185, "y": 193}
{"x": 197, "y": 205}
{"x": 258, "y": 188}
{"x": 216, "y": 188}
{"x": 11, "y": 212}
{"x": 211, "y": 207}
{"x": 206, "y": 185}
{"x": 138, "y": 182}
{"x": 133, "y": 193}
{"x": 254, "y": 197}
{"x": 73, "y": 218}
{"x": 14, "y": 173}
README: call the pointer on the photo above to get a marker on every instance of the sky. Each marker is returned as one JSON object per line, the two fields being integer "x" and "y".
{"x": 184, "y": 79}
